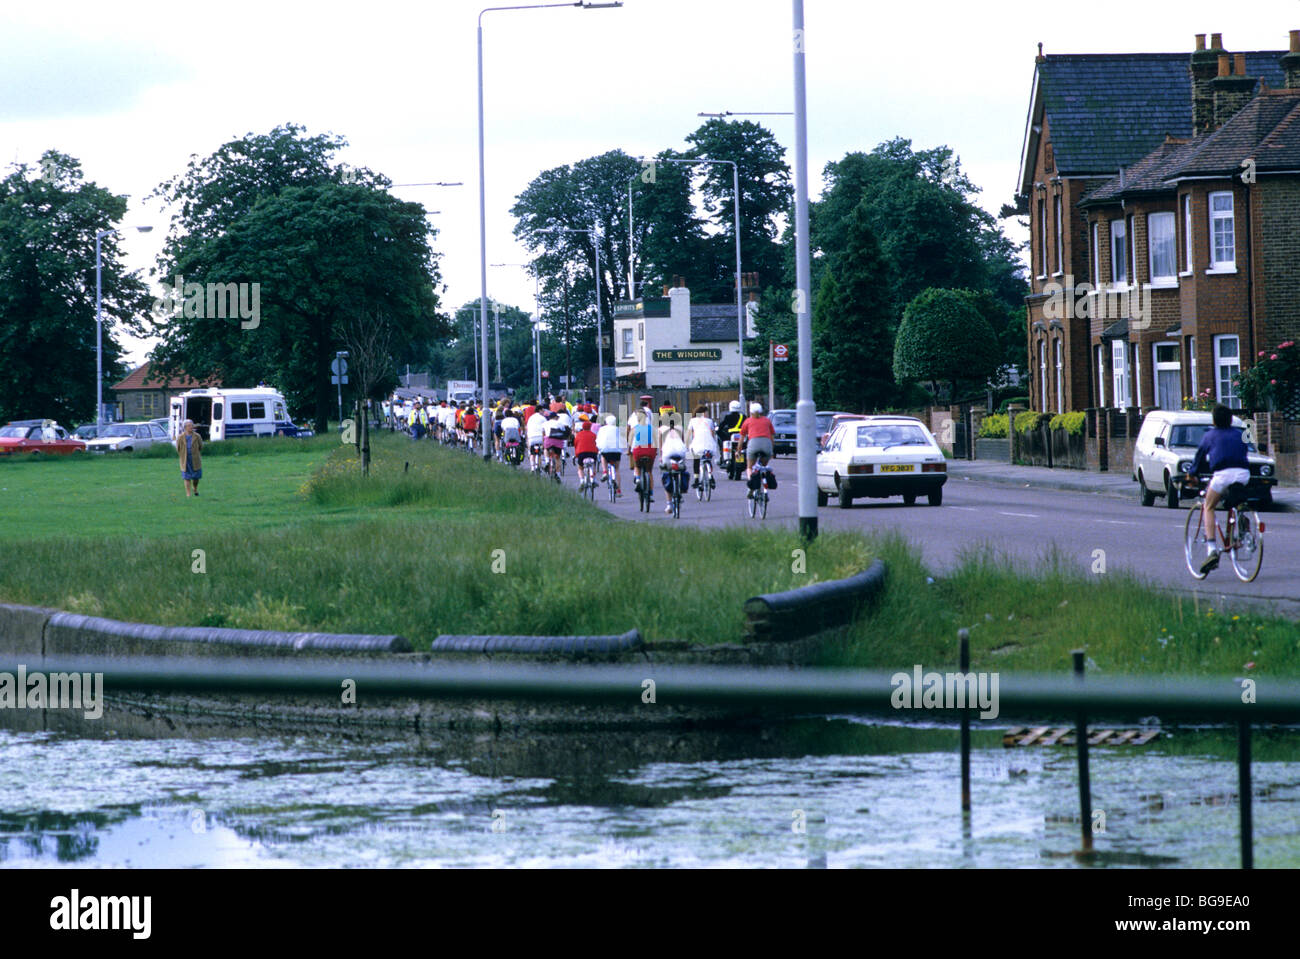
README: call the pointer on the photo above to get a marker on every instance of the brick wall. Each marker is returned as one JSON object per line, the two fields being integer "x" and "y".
{"x": 1275, "y": 218}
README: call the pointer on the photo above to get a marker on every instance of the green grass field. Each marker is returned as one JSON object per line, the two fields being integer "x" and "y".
{"x": 434, "y": 541}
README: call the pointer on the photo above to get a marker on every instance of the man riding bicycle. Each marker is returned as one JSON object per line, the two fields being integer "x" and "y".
{"x": 611, "y": 451}
{"x": 641, "y": 439}
{"x": 1222, "y": 451}
{"x": 759, "y": 435}
{"x": 673, "y": 463}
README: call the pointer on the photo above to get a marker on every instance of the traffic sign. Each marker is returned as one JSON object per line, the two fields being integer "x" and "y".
{"x": 546, "y": 374}
{"x": 780, "y": 352}
{"x": 339, "y": 366}
{"x": 334, "y": 380}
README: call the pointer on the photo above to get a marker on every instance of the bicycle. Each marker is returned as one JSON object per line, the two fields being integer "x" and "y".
{"x": 588, "y": 485}
{"x": 643, "y": 483}
{"x": 704, "y": 491}
{"x": 675, "y": 475}
{"x": 611, "y": 481}
{"x": 1242, "y": 536}
{"x": 756, "y": 503}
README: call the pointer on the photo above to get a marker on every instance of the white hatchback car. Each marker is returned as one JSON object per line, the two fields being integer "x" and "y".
{"x": 1165, "y": 447}
{"x": 122, "y": 437}
{"x": 878, "y": 457}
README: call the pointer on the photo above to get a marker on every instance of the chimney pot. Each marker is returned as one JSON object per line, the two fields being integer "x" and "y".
{"x": 1216, "y": 41}
{"x": 1239, "y": 64}
{"x": 1225, "y": 68}
{"x": 1295, "y": 41}
{"x": 1200, "y": 41}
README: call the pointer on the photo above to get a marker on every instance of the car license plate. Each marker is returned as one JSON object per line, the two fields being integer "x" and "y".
{"x": 896, "y": 468}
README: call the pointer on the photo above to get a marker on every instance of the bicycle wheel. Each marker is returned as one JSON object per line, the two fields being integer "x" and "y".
{"x": 1247, "y": 546}
{"x": 762, "y": 504}
{"x": 609, "y": 482}
{"x": 751, "y": 506}
{"x": 706, "y": 480}
{"x": 677, "y": 505}
{"x": 1194, "y": 541}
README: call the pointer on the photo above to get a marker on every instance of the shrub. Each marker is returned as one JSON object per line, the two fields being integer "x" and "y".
{"x": 1022, "y": 400}
{"x": 995, "y": 426}
{"x": 1072, "y": 423}
{"x": 1027, "y": 421}
{"x": 1274, "y": 376}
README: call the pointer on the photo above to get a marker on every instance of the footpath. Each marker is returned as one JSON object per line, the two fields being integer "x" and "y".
{"x": 1116, "y": 484}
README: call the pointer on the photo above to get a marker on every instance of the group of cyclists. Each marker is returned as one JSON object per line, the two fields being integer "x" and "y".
{"x": 452, "y": 423}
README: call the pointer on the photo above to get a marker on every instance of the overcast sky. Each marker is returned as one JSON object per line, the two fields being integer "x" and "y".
{"x": 133, "y": 88}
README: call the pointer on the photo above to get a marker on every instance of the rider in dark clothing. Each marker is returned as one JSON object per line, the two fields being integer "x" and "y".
{"x": 1221, "y": 449}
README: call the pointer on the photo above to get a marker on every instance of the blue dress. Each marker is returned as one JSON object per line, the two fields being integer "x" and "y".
{"x": 188, "y": 473}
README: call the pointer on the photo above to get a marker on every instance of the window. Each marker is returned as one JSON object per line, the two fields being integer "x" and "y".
{"x": 1042, "y": 238}
{"x": 1169, "y": 376}
{"x": 1132, "y": 253}
{"x": 1042, "y": 375}
{"x": 1096, "y": 259}
{"x": 640, "y": 331}
{"x": 239, "y": 411}
{"x": 216, "y": 412}
{"x": 1227, "y": 364}
{"x": 1101, "y": 376}
{"x": 1060, "y": 235}
{"x": 1187, "y": 237}
{"x": 1137, "y": 373}
{"x": 1118, "y": 253}
{"x": 257, "y": 411}
{"x": 628, "y": 345}
{"x": 1191, "y": 362}
{"x": 1119, "y": 373}
{"x": 1161, "y": 247}
{"x": 1223, "y": 254}
{"x": 1060, "y": 378}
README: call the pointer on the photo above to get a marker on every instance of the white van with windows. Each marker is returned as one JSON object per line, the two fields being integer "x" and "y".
{"x": 223, "y": 414}
{"x": 1166, "y": 446}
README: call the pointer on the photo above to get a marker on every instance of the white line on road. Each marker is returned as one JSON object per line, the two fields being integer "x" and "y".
{"x": 965, "y": 509}
{"x": 1117, "y": 522}
{"x": 1026, "y": 515}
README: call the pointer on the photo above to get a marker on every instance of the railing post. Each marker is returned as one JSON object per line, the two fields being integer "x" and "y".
{"x": 1243, "y": 794}
{"x": 1081, "y": 739}
{"x": 963, "y": 636}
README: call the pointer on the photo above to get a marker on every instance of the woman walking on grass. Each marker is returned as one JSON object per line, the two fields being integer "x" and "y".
{"x": 190, "y": 445}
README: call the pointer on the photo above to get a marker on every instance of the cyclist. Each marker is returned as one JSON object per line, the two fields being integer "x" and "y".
{"x": 509, "y": 428}
{"x": 535, "y": 430}
{"x": 730, "y": 424}
{"x": 702, "y": 438}
{"x": 611, "y": 451}
{"x": 553, "y": 444}
{"x": 758, "y": 434}
{"x": 673, "y": 451}
{"x": 640, "y": 439}
{"x": 1223, "y": 452}
{"x": 585, "y": 448}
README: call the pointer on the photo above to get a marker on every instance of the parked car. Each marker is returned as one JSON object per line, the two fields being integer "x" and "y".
{"x": 878, "y": 457}
{"x": 37, "y": 437}
{"x": 1166, "y": 446}
{"x": 123, "y": 437}
{"x": 87, "y": 431}
{"x": 783, "y": 425}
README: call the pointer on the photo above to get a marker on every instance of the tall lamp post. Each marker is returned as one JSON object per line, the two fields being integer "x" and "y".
{"x": 600, "y": 326}
{"x": 805, "y": 409}
{"x": 482, "y": 193}
{"x": 99, "y": 322}
{"x": 740, "y": 305}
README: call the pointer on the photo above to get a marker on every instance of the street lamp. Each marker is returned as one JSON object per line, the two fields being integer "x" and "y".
{"x": 805, "y": 409}
{"x": 600, "y": 330}
{"x": 99, "y": 322}
{"x": 740, "y": 305}
{"x": 482, "y": 190}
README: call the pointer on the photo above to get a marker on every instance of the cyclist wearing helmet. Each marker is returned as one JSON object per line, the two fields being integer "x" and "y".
{"x": 611, "y": 450}
{"x": 730, "y": 426}
{"x": 758, "y": 434}
{"x": 641, "y": 438}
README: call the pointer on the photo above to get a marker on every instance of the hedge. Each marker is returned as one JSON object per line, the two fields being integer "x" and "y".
{"x": 994, "y": 426}
{"x": 1072, "y": 423}
{"x": 1028, "y": 420}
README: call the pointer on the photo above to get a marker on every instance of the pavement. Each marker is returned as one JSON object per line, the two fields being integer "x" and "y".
{"x": 1114, "y": 483}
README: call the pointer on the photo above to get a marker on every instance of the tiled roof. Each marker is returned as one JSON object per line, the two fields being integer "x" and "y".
{"x": 713, "y": 322}
{"x": 142, "y": 378}
{"x": 1148, "y": 174}
{"x": 1105, "y": 111}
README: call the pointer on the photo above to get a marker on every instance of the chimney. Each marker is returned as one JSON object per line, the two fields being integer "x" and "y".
{"x": 1291, "y": 63}
{"x": 1232, "y": 89}
{"x": 1203, "y": 68}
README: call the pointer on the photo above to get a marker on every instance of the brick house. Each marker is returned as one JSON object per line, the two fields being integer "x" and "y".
{"x": 1163, "y": 193}
{"x": 142, "y": 396}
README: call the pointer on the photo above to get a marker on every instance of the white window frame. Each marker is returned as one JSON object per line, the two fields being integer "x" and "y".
{"x": 1119, "y": 374}
{"x": 1132, "y": 252}
{"x": 1042, "y": 238}
{"x": 1096, "y": 258}
{"x": 1042, "y": 375}
{"x": 1171, "y": 240}
{"x": 1060, "y": 235}
{"x": 1159, "y": 366}
{"x": 1191, "y": 362}
{"x": 1187, "y": 235}
{"x": 1118, "y": 263}
{"x": 628, "y": 343}
{"x": 1230, "y": 399}
{"x": 1101, "y": 376}
{"x": 1060, "y": 376}
{"x": 1230, "y": 215}
{"x": 1137, "y": 372}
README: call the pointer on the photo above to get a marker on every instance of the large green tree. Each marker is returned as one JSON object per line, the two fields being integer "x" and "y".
{"x": 48, "y": 220}
{"x": 321, "y": 243}
{"x": 946, "y": 338}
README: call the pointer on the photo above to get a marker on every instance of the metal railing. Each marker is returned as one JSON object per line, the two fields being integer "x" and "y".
{"x": 772, "y": 690}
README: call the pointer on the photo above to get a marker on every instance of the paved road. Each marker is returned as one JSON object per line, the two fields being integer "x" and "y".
{"x": 1023, "y": 521}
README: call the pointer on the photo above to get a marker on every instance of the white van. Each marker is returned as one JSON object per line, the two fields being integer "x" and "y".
{"x": 222, "y": 414}
{"x": 1166, "y": 446}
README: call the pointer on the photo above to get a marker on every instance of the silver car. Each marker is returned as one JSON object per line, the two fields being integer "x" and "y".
{"x": 121, "y": 437}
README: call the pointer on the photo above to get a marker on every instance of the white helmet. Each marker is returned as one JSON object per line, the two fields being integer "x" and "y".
{"x": 611, "y": 420}
{"x": 755, "y": 409}
{"x": 734, "y": 407}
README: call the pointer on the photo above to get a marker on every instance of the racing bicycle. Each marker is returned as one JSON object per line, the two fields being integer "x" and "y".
{"x": 1242, "y": 533}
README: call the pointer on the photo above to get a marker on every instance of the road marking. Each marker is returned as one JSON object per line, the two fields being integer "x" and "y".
{"x": 1117, "y": 522}
{"x": 965, "y": 509}
{"x": 1026, "y": 515}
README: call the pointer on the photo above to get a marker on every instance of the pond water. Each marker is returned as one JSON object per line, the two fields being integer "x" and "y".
{"x": 834, "y": 792}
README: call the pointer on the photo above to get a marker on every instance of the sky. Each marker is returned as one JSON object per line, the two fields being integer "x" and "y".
{"x": 135, "y": 88}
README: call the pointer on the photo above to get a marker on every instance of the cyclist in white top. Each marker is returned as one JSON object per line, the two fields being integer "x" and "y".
{"x": 536, "y": 432}
{"x": 610, "y": 446}
{"x": 702, "y": 438}
{"x": 673, "y": 447}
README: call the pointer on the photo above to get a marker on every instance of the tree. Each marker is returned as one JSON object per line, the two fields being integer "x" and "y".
{"x": 853, "y": 325}
{"x": 944, "y": 337}
{"x": 270, "y": 212}
{"x": 48, "y": 224}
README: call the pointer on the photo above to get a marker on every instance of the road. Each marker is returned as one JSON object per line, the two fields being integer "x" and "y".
{"x": 1022, "y": 523}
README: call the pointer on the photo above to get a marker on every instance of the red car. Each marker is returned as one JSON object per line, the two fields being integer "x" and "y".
{"x": 33, "y": 436}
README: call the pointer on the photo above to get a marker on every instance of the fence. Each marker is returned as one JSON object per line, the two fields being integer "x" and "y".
{"x": 775, "y": 690}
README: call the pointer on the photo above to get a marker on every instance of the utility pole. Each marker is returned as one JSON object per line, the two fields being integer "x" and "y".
{"x": 568, "y": 338}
